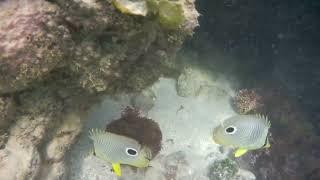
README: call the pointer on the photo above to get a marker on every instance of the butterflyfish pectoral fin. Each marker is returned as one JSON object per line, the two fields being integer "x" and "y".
{"x": 267, "y": 144}
{"x": 117, "y": 169}
{"x": 89, "y": 153}
{"x": 239, "y": 152}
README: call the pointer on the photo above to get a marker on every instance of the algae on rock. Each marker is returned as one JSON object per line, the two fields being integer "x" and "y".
{"x": 171, "y": 14}
{"x": 32, "y": 43}
{"x": 135, "y": 7}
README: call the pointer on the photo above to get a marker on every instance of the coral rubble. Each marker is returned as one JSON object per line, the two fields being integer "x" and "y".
{"x": 223, "y": 169}
{"x": 247, "y": 100}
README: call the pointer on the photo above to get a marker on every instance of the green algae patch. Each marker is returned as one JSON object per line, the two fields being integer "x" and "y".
{"x": 137, "y": 7}
{"x": 170, "y": 14}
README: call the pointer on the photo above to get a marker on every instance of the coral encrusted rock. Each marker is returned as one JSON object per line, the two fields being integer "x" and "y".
{"x": 57, "y": 59}
{"x": 31, "y": 43}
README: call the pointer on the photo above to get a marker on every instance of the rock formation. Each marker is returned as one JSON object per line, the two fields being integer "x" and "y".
{"x": 57, "y": 58}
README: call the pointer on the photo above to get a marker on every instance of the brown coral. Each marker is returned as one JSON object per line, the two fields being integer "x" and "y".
{"x": 247, "y": 100}
{"x": 146, "y": 131}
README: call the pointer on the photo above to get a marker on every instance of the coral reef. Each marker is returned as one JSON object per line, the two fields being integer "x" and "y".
{"x": 57, "y": 58}
{"x": 32, "y": 43}
{"x": 247, "y": 101}
{"x": 90, "y": 41}
{"x": 131, "y": 124}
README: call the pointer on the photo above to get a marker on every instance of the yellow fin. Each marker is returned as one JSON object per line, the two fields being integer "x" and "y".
{"x": 267, "y": 145}
{"x": 117, "y": 169}
{"x": 240, "y": 152}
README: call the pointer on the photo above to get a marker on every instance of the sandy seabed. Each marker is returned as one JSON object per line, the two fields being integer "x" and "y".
{"x": 186, "y": 123}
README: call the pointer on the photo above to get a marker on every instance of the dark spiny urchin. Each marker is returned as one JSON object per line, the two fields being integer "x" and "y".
{"x": 131, "y": 124}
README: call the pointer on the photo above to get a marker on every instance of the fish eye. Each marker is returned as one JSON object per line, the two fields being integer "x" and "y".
{"x": 231, "y": 130}
{"x": 131, "y": 152}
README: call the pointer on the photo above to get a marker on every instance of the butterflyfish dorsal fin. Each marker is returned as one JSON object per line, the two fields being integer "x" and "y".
{"x": 264, "y": 117}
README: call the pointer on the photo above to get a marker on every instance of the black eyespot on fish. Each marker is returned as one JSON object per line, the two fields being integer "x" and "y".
{"x": 230, "y": 130}
{"x": 131, "y": 152}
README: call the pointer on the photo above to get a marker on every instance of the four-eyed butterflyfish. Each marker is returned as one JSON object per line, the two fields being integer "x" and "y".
{"x": 117, "y": 149}
{"x": 244, "y": 132}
